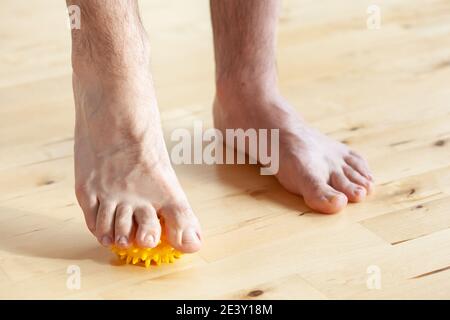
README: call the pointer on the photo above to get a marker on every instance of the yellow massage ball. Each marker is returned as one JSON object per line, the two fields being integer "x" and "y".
{"x": 162, "y": 253}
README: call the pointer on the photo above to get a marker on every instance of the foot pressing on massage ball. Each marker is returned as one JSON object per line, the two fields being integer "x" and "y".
{"x": 123, "y": 175}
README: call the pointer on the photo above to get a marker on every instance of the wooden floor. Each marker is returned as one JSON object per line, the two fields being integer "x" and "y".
{"x": 384, "y": 92}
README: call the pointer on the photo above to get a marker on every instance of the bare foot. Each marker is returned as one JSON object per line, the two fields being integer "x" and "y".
{"x": 325, "y": 172}
{"x": 124, "y": 179}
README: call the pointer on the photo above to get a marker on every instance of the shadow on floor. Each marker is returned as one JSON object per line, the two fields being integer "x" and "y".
{"x": 36, "y": 235}
{"x": 246, "y": 179}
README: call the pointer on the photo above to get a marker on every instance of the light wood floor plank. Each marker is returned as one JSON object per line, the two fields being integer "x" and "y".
{"x": 385, "y": 93}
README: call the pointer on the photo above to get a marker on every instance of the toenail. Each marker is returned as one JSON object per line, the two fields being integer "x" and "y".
{"x": 150, "y": 239}
{"x": 190, "y": 236}
{"x": 122, "y": 240}
{"x": 331, "y": 198}
{"x": 337, "y": 198}
{"x": 106, "y": 241}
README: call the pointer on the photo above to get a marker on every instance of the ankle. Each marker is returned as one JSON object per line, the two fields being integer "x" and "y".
{"x": 112, "y": 59}
{"x": 103, "y": 70}
{"x": 243, "y": 87}
{"x": 128, "y": 72}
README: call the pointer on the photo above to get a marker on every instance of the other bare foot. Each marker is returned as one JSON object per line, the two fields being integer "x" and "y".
{"x": 325, "y": 172}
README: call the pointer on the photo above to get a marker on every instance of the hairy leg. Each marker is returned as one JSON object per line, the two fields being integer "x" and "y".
{"x": 325, "y": 172}
{"x": 123, "y": 176}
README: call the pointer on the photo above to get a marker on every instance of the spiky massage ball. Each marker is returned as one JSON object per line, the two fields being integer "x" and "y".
{"x": 162, "y": 253}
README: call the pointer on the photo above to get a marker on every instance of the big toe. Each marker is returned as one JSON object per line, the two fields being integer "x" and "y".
{"x": 182, "y": 228}
{"x": 325, "y": 199}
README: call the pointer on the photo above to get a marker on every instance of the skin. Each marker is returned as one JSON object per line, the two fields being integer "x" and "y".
{"x": 325, "y": 172}
{"x": 124, "y": 179}
{"x": 123, "y": 176}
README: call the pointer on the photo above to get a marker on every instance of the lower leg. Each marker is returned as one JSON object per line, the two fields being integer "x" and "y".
{"x": 325, "y": 172}
{"x": 123, "y": 176}
{"x": 244, "y": 43}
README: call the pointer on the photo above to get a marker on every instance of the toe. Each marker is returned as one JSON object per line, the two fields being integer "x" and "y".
{"x": 182, "y": 228}
{"x": 355, "y": 177}
{"x": 89, "y": 205}
{"x": 123, "y": 226}
{"x": 318, "y": 195}
{"x": 353, "y": 191}
{"x": 104, "y": 229}
{"x": 359, "y": 164}
{"x": 148, "y": 230}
